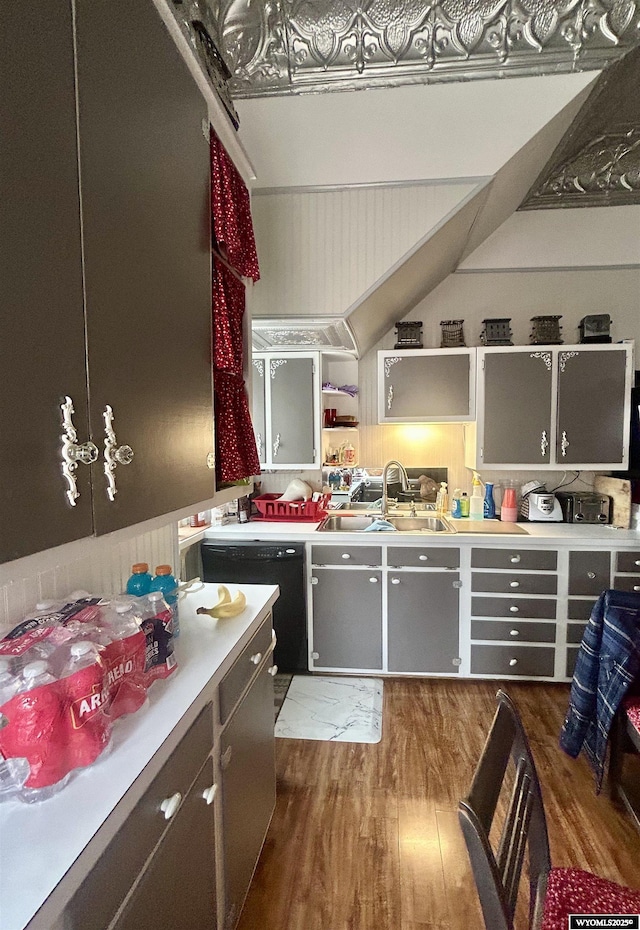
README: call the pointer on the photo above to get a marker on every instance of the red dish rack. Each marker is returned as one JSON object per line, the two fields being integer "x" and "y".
{"x": 271, "y": 507}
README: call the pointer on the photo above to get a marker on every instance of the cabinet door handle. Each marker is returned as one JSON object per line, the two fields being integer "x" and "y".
{"x": 225, "y": 758}
{"x": 374, "y": 580}
{"x": 515, "y": 559}
{"x": 209, "y": 793}
{"x": 591, "y": 574}
{"x": 272, "y": 670}
{"x": 514, "y": 609}
{"x": 564, "y": 443}
{"x": 170, "y": 805}
{"x": 255, "y": 658}
{"x": 259, "y": 444}
{"x": 423, "y": 558}
{"x": 514, "y": 632}
{"x": 514, "y": 584}
{"x": 73, "y": 452}
{"x": 211, "y": 460}
{"x": 544, "y": 443}
{"x": 113, "y": 453}
{"x": 390, "y": 397}
{"x": 276, "y": 445}
{"x": 395, "y": 581}
{"x": 345, "y": 555}
{"x": 513, "y": 661}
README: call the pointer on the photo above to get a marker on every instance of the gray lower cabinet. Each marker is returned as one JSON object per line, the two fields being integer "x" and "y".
{"x": 286, "y": 409}
{"x": 347, "y": 618}
{"x": 426, "y": 385}
{"x": 159, "y": 869}
{"x": 247, "y": 761}
{"x": 422, "y": 621}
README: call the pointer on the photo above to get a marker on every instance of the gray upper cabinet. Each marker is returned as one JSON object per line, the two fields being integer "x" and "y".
{"x": 286, "y": 406}
{"x": 106, "y": 274}
{"x": 552, "y": 406}
{"x": 42, "y": 349}
{"x": 145, "y": 174}
{"x": 426, "y": 385}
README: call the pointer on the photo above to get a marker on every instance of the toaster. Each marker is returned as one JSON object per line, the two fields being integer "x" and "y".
{"x": 584, "y": 507}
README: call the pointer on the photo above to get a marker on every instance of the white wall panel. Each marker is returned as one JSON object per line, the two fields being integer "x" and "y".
{"x": 320, "y": 251}
{"x": 100, "y": 566}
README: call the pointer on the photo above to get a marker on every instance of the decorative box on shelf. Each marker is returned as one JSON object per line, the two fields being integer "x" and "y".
{"x": 546, "y": 331}
{"x": 496, "y": 332}
{"x": 452, "y": 334}
{"x": 409, "y": 334}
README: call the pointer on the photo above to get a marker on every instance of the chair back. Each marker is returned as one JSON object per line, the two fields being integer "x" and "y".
{"x": 497, "y": 862}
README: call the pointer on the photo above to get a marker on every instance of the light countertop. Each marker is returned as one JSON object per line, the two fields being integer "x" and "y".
{"x": 39, "y": 843}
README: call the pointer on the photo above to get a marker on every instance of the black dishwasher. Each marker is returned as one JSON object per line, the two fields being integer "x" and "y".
{"x": 277, "y": 563}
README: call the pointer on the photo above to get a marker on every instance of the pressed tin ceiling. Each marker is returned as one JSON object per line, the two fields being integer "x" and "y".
{"x": 294, "y": 46}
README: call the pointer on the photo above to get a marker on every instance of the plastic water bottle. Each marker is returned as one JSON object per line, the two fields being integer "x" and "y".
{"x": 139, "y": 582}
{"x": 168, "y": 585}
{"x": 489, "y": 503}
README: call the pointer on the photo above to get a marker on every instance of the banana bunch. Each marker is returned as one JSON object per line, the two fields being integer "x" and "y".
{"x": 226, "y": 606}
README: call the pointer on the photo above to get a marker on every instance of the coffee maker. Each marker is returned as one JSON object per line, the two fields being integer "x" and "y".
{"x": 539, "y": 505}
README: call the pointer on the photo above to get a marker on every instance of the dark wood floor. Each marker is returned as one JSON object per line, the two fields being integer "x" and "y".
{"x": 366, "y": 837}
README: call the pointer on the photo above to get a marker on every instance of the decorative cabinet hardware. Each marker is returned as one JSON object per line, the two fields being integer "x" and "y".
{"x": 564, "y": 443}
{"x": 514, "y": 609}
{"x": 456, "y": 584}
{"x": 591, "y": 575}
{"x": 272, "y": 670}
{"x": 255, "y": 658}
{"x": 514, "y": 632}
{"x": 544, "y": 443}
{"x": 346, "y": 555}
{"x": 390, "y": 397}
{"x": 513, "y": 662}
{"x": 209, "y": 794}
{"x": 515, "y": 558}
{"x": 211, "y": 460}
{"x": 375, "y": 581}
{"x": 113, "y": 453}
{"x": 259, "y": 445}
{"x": 395, "y": 581}
{"x": 514, "y": 584}
{"x": 73, "y": 452}
{"x": 423, "y": 558}
{"x": 314, "y": 581}
{"x": 276, "y": 445}
{"x": 315, "y": 655}
{"x": 170, "y": 805}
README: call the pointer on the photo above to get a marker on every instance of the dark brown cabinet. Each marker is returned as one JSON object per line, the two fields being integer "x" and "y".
{"x": 107, "y": 274}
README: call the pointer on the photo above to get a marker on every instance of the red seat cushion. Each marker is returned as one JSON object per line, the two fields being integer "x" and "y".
{"x": 572, "y": 891}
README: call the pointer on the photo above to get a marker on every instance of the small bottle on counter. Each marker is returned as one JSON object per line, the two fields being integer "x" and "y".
{"x": 244, "y": 509}
{"x": 464, "y": 504}
{"x": 139, "y": 583}
{"x": 476, "y": 504}
{"x": 165, "y": 582}
{"x": 489, "y": 503}
{"x": 456, "y": 504}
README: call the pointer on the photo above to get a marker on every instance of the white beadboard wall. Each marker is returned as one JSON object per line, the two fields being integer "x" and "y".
{"x": 98, "y": 565}
{"x": 321, "y": 250}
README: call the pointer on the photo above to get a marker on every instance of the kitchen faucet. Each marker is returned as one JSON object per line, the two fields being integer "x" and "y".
{"x": 403, "y": 477}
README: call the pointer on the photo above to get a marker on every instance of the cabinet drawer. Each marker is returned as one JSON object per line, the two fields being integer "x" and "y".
{"x": 526, "y": 632}
{"x": 514, "y": 584}
{"x": 535, "y": 608}
{"x": 105, "y": 888}
{"x": 579, "y": 610}
{"x": 589, "y": 572}
{"x": 423, "y": 557}
{"x": 539, "y": 559}
{"x": 512, "y": 660}
{"x": 627, "y": 582}
{"x": 628, "y": 562}
{"x": 575, "y": 632}
{"x": 346, "y": 555}
{"x": 243, "y": 670}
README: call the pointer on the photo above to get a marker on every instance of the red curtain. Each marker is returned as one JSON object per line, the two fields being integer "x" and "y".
{"x": 234, "y": 243}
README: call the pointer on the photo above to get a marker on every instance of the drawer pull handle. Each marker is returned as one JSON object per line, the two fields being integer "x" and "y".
{"x": 225, "y": 759}
{"x": 514, "y": 632}
{"x": 272, "y": 670}
{"x": 255, "y": 658}
{"x": 636, "y": 587}
{"x": 515, "y": 558}
{"x": 591, "y": 574}
{"x": 170, "y": 805}
{"x": 209, "y": 794}
{"x": 345, "y": 555}
{"x": 395, "y": 581}
{"x": 637, "y": 562}
{"x": 514, "y": 609}
{"x": 373, "y": 580}
{"x": 513, "y": 661}
{"x": 514, "y": 584}
{"x": 425, "y": 558}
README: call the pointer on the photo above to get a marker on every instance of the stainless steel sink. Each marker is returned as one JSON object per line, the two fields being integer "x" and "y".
{"x": 366, "y": 507}
{"x": 358, "y": 523}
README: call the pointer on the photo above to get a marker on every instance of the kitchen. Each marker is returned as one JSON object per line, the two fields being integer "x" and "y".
{"x": 562, "y": 261}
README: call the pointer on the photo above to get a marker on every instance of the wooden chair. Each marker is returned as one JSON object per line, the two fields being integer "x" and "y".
{"x": 624, "y": 759}
{"x": 497, "y": 866}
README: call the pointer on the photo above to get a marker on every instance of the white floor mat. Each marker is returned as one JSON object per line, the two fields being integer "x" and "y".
{"x": 347, "y": 710}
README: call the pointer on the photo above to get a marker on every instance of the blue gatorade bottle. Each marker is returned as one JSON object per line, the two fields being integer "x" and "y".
{"x": 165, "y": 582}
{"x": 139, "y": 583}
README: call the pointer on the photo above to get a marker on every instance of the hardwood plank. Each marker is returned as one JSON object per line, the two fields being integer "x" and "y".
{"x": 366, "y": 836}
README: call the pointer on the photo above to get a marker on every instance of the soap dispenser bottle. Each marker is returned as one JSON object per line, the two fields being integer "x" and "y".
{"x": 476, "y": 504}
{"x": 489, "y": 503}
{"x": 442, "y": 498}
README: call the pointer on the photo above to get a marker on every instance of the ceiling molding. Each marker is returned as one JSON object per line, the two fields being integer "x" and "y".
{"x": 288, "y": 47}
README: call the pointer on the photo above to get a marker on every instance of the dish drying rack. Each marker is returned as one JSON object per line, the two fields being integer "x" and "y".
{"x": 271, "y": 507}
